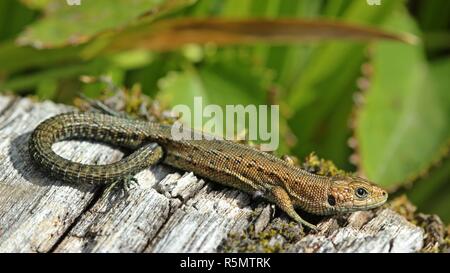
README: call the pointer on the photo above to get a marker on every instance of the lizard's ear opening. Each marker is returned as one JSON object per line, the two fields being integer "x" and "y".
{"x": 331, "y": 200}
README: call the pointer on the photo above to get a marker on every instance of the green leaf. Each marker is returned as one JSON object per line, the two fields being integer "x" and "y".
{"x": 13, "y": 18}
{"x": 404, "y": 123}
{"x": 220, "y": 83}
{"x": 322, "y": 84}
{"x": 64, "y": 24}
{"x": 36, "y": 4}
{"x": 47, "y": 89}
{"x": 29, "y": 81}
{"x": 14, "y": 58}
{"x": 430, "y": 194}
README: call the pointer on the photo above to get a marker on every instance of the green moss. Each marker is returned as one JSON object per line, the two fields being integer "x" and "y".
{"x": 278, "y": 236}
{"x": 316, "y": 165}
{"x": 445, "y": 248}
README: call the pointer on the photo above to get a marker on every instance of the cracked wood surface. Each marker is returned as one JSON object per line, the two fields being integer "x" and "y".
{"x": 170, "y": 210}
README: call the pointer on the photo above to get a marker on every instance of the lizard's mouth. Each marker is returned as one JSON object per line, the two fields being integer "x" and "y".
{"x": 363, "y": 206}
{"x": 373, "y": 205}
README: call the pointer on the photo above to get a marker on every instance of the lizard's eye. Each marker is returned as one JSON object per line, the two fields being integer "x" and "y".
{"x": 361, "y": 192}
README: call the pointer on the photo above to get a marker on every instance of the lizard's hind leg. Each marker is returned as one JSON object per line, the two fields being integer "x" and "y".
{"x": 146, "y": 156}
{"x": 124, "y": 185}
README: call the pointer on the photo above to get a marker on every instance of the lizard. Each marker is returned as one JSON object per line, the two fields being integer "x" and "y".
{"x": 229, "y": 163}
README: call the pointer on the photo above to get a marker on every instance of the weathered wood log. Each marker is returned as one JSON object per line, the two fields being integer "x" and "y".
{"x": 170, "y": 211}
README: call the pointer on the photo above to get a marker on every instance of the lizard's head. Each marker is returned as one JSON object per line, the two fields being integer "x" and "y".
{"x": 354, "y": 193}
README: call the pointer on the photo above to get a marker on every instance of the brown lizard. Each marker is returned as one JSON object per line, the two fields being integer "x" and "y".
{"x": 228, "y": 163}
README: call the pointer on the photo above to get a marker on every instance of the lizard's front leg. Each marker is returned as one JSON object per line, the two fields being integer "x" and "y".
{"x": 282, "y": 199}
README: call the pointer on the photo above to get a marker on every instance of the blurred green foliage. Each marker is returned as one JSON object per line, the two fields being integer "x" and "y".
{"x": 381, "y": 108}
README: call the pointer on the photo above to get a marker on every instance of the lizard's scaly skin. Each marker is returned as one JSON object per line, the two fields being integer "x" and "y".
{"x": 225, "y": 162}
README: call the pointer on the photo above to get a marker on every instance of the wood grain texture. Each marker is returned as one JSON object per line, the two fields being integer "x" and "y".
{"x": 386, "y": 231}
{"x": 170, "y": 211}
